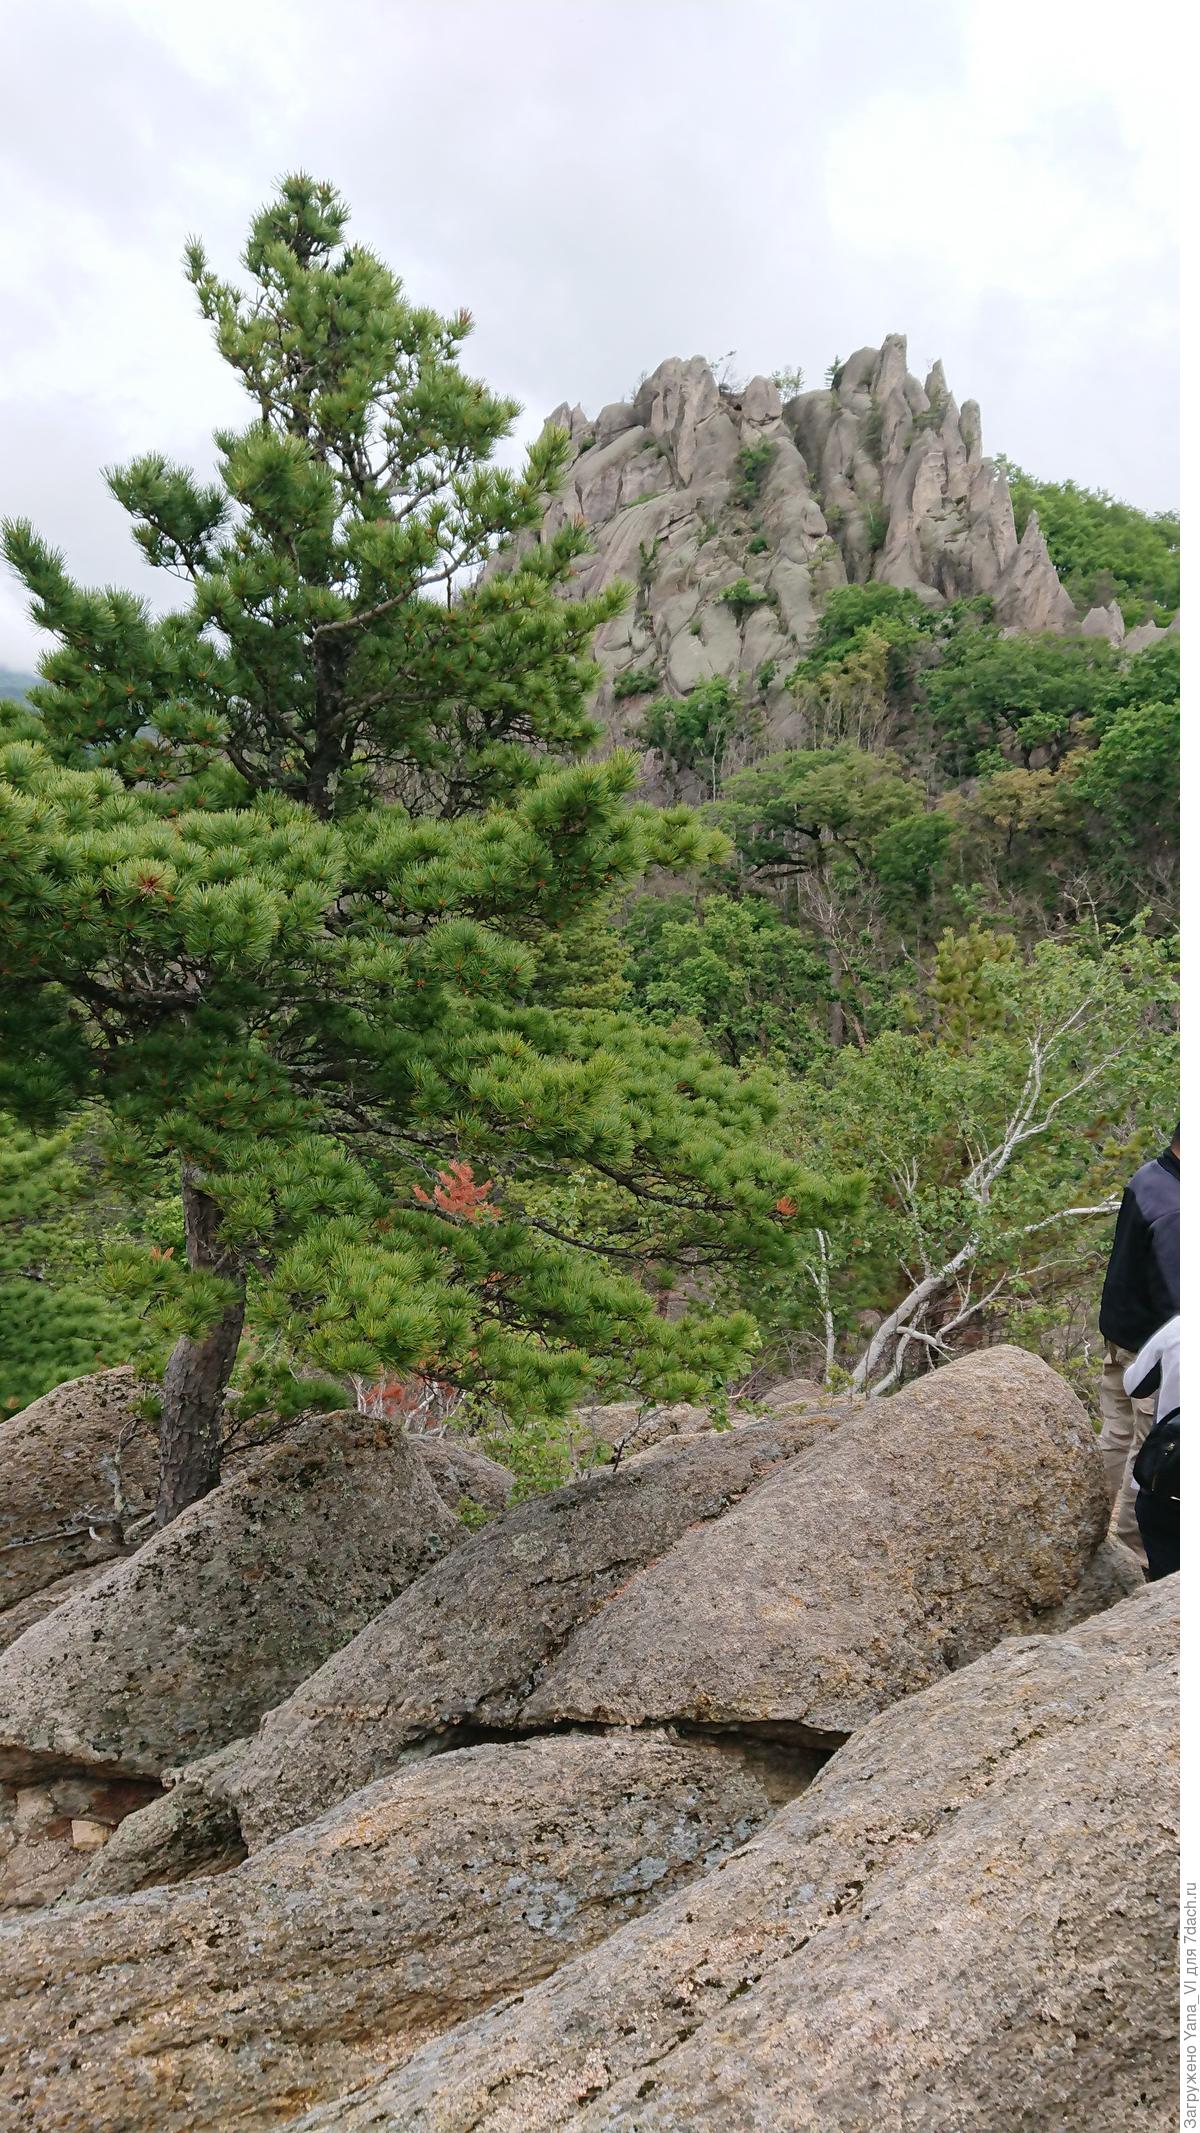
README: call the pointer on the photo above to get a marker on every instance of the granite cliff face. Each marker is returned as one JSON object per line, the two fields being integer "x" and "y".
{"x": 734, "y": 516}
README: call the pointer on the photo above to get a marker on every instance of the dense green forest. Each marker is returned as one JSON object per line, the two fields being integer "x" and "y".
{"x": 360, "y": 1025}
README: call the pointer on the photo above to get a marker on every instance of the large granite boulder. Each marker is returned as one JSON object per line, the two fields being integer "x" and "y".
{"x": 908, "y": 1541}
{"x": 411, "y": 1906}
{"x": 79, "y": 1467}
{"x": 469, "y": 1651}
{"x": 791, "y": 1577}
{"x": 464, "y": 1477}
{"x": 966, "y": 1921}
{"x": 179, "y": 1648}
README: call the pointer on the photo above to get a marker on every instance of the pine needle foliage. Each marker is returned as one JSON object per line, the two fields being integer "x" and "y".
{"x": 283, "y": 871}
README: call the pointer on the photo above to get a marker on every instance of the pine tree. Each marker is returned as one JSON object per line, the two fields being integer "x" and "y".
{"x": 277, "y": 869}
{"x": 56, "y": 1321}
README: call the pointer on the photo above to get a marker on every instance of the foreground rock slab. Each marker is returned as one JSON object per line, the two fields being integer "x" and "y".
{"x": 420, "y": 1900}
{"x": 178, "y": 1649}
{"x": 965, "y": 1922}
{"x": 722, "y": 1582}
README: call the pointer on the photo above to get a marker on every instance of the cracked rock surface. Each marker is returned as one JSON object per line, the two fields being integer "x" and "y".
{"x": 408, "y": 1907}
{"x": 471, "y": 1648}
{"x": 791, "y": 1577}
{"x": 963, "y": 1923}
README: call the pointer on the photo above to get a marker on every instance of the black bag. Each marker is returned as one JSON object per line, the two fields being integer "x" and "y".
{"x": 1156, "y": 1467}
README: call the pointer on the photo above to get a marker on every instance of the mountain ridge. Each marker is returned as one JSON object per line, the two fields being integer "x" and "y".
{"x": 734, "y": 515}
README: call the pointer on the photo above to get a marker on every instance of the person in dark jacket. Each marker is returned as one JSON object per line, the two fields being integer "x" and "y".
{"x": 1141, "y": 1292}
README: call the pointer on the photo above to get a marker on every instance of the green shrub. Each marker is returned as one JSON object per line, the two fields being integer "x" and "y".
{"x": 754, "y": 464}
{"x": 693, "y": 732}
{"x": 759, "y": 545}
{"x": 647, "y": 557}
{"x": 875, "y": 520}
{"x": 635, "y": 681}
{"x": 872, "y": 430}
{"x": 743, "y": 597}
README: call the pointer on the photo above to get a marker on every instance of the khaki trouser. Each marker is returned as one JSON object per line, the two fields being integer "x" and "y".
{"x": 1124, "y": 1424}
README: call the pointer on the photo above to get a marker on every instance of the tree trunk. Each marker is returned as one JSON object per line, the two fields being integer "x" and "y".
{"x": 189, "y": 1442}
{"x": 837, "y": 1013}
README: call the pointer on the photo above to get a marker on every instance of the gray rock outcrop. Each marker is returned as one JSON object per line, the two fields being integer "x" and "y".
{"x": 692, "y": 487}
{"x": 64, "y": 1459}
{"x": 789, "y": 1578}
{"x": 1030, "y": 594}
{"x": 964, "y": 1922}
{"x": 180, "y": 1648}
{"x": 1107, "y": 622}
{"x": 411, "y": 1906}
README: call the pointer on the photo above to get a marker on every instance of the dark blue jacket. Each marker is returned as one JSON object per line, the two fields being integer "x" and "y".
{"x": 1141, "y": 1287}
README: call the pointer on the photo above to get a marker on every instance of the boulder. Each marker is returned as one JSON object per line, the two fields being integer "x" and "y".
{"x": 467, "y": 1645}
{"x": 907, "y": 1541}
{"x": 965, "y": 1921}
{"x": 17, "y": 1619}
{"x": 790, "y": 1578}
{"x": 461, "y": 1474}
{"x": 189, "y": 1830}
{"x": 411, "y": 1906}
{"x": 59, "y": 1458}
{"x": 180, "y": 1648}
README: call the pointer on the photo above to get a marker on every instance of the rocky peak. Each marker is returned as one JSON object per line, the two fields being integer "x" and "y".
{"x": 733, "y": 517}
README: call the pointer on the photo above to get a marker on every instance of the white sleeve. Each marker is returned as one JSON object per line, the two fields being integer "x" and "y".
{"x": 1144, "y": 1365}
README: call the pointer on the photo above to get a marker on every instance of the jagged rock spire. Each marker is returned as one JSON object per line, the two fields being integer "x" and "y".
{"x": 693, "y": 487}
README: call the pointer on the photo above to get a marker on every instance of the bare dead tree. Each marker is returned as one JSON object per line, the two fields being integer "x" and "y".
{"x": 881, "y": 1364}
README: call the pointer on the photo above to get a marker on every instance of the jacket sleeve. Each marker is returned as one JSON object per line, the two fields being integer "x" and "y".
{"x": 1144, "y": 1374}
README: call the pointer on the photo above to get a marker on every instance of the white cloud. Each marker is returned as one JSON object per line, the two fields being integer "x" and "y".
{"x": 604, "y": 184}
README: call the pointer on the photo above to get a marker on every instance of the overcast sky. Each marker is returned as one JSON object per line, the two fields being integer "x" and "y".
{"x": 603, "y": 183}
